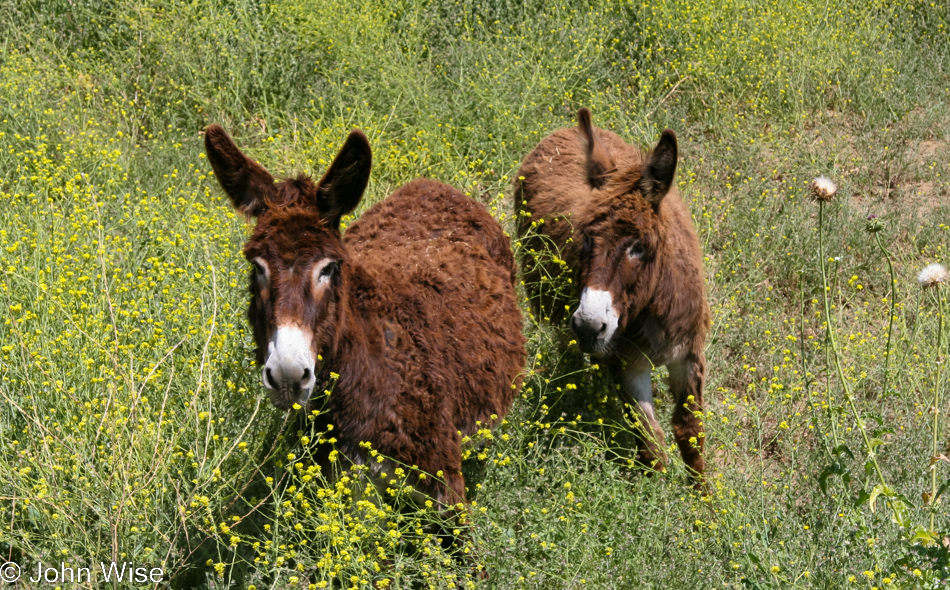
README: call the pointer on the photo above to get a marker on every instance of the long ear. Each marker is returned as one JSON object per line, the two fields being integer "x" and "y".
{"x": 599, "y": 163}
{"x": 342, "y": 186}
{"x": 244, "y": 180}
{"x": 659, "y": 168}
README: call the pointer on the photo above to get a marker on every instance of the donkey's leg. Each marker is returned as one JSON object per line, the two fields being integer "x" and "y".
{"x": 456, "y": 520}
{"x": 686, "y": 382}
{"x": 446, "y": 486}
{"x": 637, "y": 390}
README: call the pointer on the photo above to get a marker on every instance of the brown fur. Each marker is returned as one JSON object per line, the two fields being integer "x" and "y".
{"x": 598, "y": 202}
{"x": 420, "y": 321}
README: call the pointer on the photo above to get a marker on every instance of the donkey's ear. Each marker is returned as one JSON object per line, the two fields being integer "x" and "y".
{"x": 342, "y": 186}
{"x": 659, "y": 168}
{"x": 247, "y": 183}
{"x": 599, "y": 164}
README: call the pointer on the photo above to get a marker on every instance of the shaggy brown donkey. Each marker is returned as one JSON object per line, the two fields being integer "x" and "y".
{"x": 414, "y": 309}
{"x": 620, "y": 226}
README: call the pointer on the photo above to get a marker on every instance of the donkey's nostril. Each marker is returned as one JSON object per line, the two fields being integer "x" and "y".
{"x": 269, "y": 379}
{"x": 603, "y": 327}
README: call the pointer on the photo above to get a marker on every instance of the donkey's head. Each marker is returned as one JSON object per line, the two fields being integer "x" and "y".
{"x": 297, "y": 254}
{"x": 622, "y": 234}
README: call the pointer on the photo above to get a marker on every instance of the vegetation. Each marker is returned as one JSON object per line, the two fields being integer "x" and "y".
{"x": 133, "y": 425}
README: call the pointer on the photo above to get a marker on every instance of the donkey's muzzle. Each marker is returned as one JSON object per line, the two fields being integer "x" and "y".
{"x": 588, "y": 333}
{"x": 289, "y": 368}
{"x": 595, "y": 321}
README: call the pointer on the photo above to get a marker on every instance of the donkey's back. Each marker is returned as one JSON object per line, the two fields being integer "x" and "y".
{"x": 427, "y": 218}
{"x": 449, "y": 276}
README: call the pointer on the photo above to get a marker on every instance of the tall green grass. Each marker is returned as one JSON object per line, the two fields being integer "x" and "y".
{"x": 133, "y": 424}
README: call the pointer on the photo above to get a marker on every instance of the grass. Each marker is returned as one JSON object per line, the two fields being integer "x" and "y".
{"x": 133, "y": 424}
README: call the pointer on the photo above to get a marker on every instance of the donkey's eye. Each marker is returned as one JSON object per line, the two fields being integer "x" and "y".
{"x": 635, "y": 250}
{"x": 261, "y": 271}
{"x": 329, "y": 270}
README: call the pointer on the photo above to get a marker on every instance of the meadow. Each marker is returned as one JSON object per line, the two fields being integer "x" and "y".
{"x": 133, "y": 425}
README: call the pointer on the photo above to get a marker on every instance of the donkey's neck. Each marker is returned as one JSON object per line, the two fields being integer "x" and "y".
{"x": 363, "y": 397}
{"x": 351, "y": 352}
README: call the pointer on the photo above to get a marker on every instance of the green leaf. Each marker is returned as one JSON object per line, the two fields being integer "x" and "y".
{"x": 862, "y": 498}
{"x": 879, "y": 432}
{"x": 877, "y": 491}
{"x": 900, "y": 512}
{"x": 943, "y": 488}
{"x": 833, "y": 469}
{"x": 843, "y": 448}
{"x": 925, "y": 537}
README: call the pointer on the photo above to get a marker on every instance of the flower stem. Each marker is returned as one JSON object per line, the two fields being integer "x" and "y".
{"x": 824, "y": 292}
{"x": 890, "y": 317}
{"x": 832, "y": 343}
{"x": 936, "y": 411}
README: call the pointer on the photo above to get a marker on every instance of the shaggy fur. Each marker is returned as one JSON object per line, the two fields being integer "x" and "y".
{"x": 619, "y": 224}
{"x": 416, "y": 311}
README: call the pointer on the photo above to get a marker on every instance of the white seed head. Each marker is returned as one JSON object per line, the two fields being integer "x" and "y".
{"x": 823, "y": 188}
{"x": 932, "y": 275}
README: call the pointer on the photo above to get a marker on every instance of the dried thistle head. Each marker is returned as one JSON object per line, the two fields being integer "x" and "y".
{"x": 932, "y": 275}
{"x": 823, "y": 189}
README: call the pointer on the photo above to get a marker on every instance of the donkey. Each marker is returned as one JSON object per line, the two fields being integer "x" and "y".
{"x": 414, "y": 308}
{"x": 617, "y": 219}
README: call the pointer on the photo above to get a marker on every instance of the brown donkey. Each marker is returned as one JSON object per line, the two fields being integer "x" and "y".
{"x": 620, "y": 226}
{"x": 414, "y": 309}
